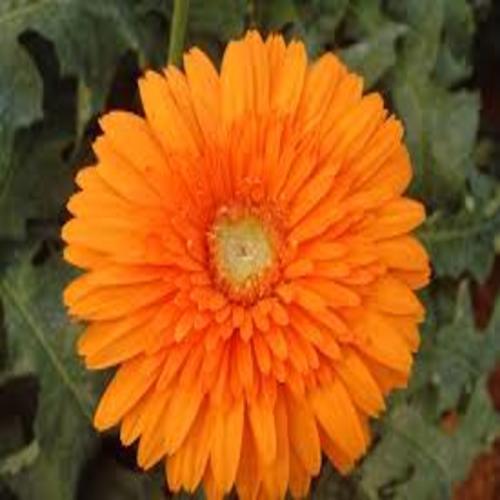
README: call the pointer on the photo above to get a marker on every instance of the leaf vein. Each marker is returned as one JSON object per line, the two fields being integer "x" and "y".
{"x": 12, "y": 296}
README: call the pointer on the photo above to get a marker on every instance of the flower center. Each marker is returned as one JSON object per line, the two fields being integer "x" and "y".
{"x": 243, "y": 248}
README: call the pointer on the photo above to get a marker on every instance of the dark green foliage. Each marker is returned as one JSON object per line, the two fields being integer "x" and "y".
{"x": 453, "y": 358}
{"x": 63, "y": 62}
{"x": 420, "y": 461}
{"x": 40, "y": 342}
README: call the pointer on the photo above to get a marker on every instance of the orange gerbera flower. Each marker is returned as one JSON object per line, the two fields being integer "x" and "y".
{"x": 248, "y": 267}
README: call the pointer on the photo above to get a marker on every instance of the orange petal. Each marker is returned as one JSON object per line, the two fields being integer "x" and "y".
{"x": 166, "y": 120}
{"x": 100, "y": 333}
{"x": 335, "y": 412}
{"x": 130, "y": 382}
{"x": 303, "y": 433}
{"x": 151, "y": 448}
{"x": 350, "y": 133}
{"x": 146, "y": 155}
{"x": 183, "y": 468}
{"x": 403, "y": 252}
{"x": 85, "y": 258}
{"x": 204, "y": 84}
{"x": 130, "y": 428}
{"x": 245, "y": 362}
{"x": 319, "y": 87}
{"x": 387, "y": 378}
{"x": 391, "y": 295}
{"x": 264, "y": 430}
{"x": 236, "y": 83}
{"x": 226, "y": 445}
{"x": 262, "y": 353}
{"x": 300, "y": 479}
{"x": 249, "y": 472}
{"x": 275, "y": 477}
{"x": 378, "y": 339}
{"x": 128, "y": 181}
{"x": 180, "y": 415}
{"x": 341, "y": 460}
{"x": 360, "y": 383}
{"x": 113, "y": 302}
{"x": 287, "y": 82}
{"x": 395, "y": 218}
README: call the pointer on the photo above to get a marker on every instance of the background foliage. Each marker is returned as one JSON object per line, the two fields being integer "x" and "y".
{"x": 62, "y": 62}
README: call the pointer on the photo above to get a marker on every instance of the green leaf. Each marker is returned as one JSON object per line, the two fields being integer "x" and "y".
{"x": 416, "y": 459}
{"x": 464, "y": 241}
{"x": 315, "y": 22}
{"x": 441, "y": 130}
{"x": 210, "y": 24}
{"x": 441, "y": 126}
{"x": 20, "y": 88}
{"x": 20, "y": 459}
{"x": 37, "y": 162}
{"x": 274, "y": 16}
{"x": 89, "y": 36}
{"x": 20, "y": 100}
{"x": 221, "y": 19}
{"x": 320, "y": 20}
{"x": 374, "y": 55}
{"x": 331, "y": 485}
{"x": 421, "y": 45}
{"x": 41, "y": 342}
{"x": 453, "y": 358}
{"x": 453, "y": 61}
{"x": 373, "y": 52}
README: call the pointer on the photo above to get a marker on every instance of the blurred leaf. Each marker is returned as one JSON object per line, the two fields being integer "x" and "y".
{"x": 41, "y": 341}
{"x": 453, "y": 61}
{"x": 463, "y": 241}
{"x": 441, "y": 130}
{"x": 453, "y": 358}
{"x": 152, "y": 25}
{"x": 89, "y": 36}
{"x": 373, "y": 56}
{"x": 212, "y": 24}
{"x": 415, "y": 459}
{"x": 15, "y": 462}
{"x": 37, "y": 162}
{"x": 223, "y": 19}
{"x": 274, "y": 16}
{"x": 106, "y": 479}
{"x": 20, "y": 99}
{"x": 331, "y": 485}
{"x": 314, "y": 21}
{"x": 441, "y": 125}
{"x": 376, "y": 34}
{"x": 320, "y": 19}
{"x": 421, "y": 45}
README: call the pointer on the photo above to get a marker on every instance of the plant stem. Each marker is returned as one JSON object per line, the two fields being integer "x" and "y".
{"x": 178, "y": 32}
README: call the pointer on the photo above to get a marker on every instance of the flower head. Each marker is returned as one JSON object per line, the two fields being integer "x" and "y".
{"x": 249, "y": 268}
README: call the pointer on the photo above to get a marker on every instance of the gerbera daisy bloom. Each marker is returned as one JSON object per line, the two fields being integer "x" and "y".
{"x": 249, "y": 267}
